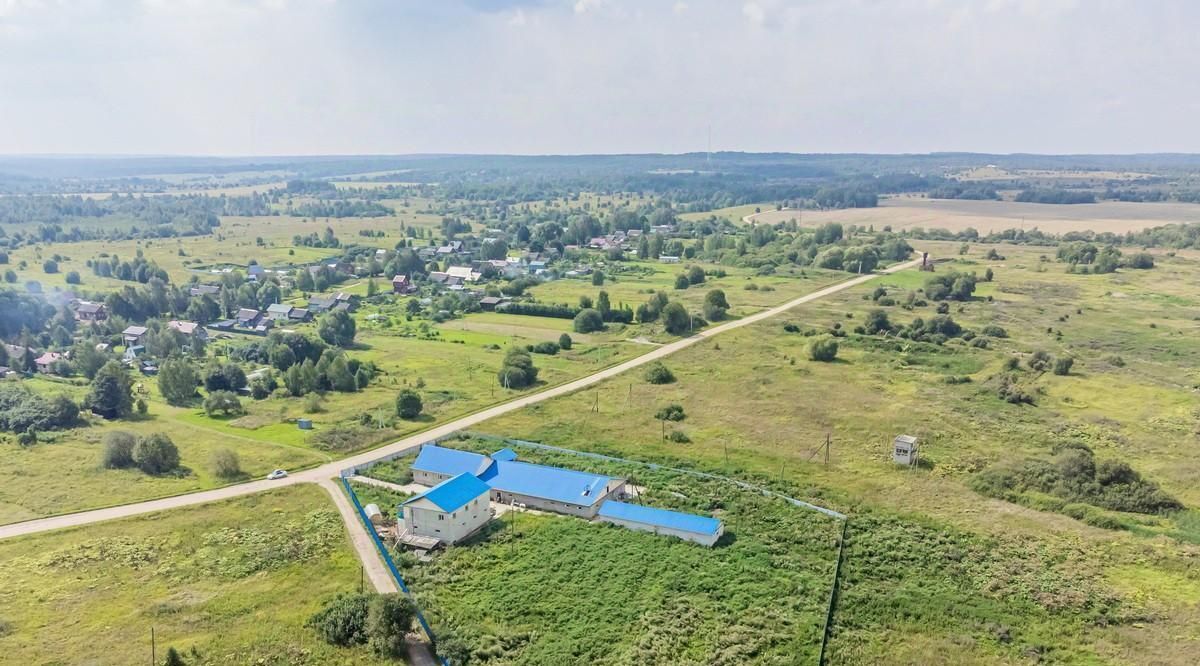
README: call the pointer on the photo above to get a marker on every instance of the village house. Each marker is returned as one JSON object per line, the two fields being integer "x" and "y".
{"x": 189, "y": 328}
{"x": 279, "y": 311}
{"x": 204, "y": 290}
{"x": 46, "y": 361}
{"x": 402, "y": 285}
{"x": 450, "y": 511}
{"x": 88, "y": 311}
{"x": 132, "y": 335}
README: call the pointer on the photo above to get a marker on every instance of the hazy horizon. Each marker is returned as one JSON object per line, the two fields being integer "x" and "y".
{"x": 577, "y": 77}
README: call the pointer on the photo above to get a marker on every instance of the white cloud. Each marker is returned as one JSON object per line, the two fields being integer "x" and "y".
{"x": 309, "y": 76}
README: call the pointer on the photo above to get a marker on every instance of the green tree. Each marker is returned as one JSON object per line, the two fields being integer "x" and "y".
{"x": 877, "y": 322}
{"x": 1062, "y": 365}
{"x": 715, "y": 305}
{"x": 342, "y": 621}
{"x": 50, "y": 266}
{"x": 177, "y": 381}
{"x": 517, "y": 370}
{"x": 588, "y": 321}
{"x": 282, "y": 357}
{"x": 860, "y": 259}
{"x": 225, "y": 464}
{"x": 565, "y": 341}
{"x": 337, "y": 328}
{"x": 156, "y": 454}
{"x": 682, "y": 282}
{"x": 695, "y": 275}
{"x": 676, "y": 319}
{"x": 339, "y": 375}
{"x": 10, "y": 276}
{"x": 225, "y": 402}
{"x": 603, "y": 305}
{"x": 408, "y": 404}
{"x": 110, "y": 395}
{"x": 118, "y": 449}
{"x": 174, "y": 658}
{"x": 823, "y": 349}
{"x": 372, "y": 287}
{"x": 389, "y": 617}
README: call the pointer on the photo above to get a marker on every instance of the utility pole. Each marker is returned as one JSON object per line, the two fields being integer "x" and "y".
{"x": 827, "y": 443}
{"x": 153, "y": 648}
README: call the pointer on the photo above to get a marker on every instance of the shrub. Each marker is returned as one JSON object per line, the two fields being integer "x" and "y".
{"x": 657, "y": 373}
{"x": 73, "y": 277}
{"x": 1039, "y": 362}
{"x": 678, "y": 436}
{"x": 225, "y": 402}
{"x": 823, "y": 349}
{"x": 342, "y": 621}
{"x": 156, "y": 454}
{"x": 408, "y": 404}
{"x": 672, "y": 412}
{"x": 546, "y": 347}
{"x": 225, "y": 464}
{"x": 50, "y": 266}
{"x": 695, "y": 275}
{"x": 1142, "y": 260}
{"x": 1062, "y": 365}
{"x": 588, "y": 320}
{"x": 22, "y": 409}
{"x": 877, "y": 322}
{"x": 682, "y": 282}
{"x": 994, "y": 331}
{"x": 118, "y": 449}
{"x": 565, "y": 341}
{"x": 313, "y": 404}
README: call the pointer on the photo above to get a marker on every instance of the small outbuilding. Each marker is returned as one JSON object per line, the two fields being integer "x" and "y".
{"x": 904, "y": 450}
{"x": 450, "y": 511}
{"x": 374, "y": 514}
{"x": 687, "y": 526}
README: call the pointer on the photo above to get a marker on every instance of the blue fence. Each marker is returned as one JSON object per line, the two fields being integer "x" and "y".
{"x": 391, "y": 564}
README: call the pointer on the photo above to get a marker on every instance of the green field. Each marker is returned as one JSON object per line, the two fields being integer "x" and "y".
{"x": 976, "y": 579}
{"x": 233, "y": 581}
{"x": 547, "y": 589}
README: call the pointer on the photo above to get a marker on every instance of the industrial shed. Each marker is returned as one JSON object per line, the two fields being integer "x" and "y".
{"x": 699, "y": 529}
{"x": 514, "y": 482}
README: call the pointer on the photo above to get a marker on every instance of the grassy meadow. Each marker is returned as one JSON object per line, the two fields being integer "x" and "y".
{"x": 224, "y": 583}
{"x": 933, "y": 567}
{"x": 538, "y": 588}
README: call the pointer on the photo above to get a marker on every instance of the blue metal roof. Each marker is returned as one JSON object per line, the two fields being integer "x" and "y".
{"x": 453, "y": 493}
{"x": 551, "y": 483}
{"x": 647, "y": 515}
{"x": 441, "y": 460}
{"x": 505, "y": 454}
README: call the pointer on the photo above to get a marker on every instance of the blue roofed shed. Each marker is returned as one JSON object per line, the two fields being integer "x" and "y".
{"x": 700, "y": 529}
{"x": 550, "y": 488}
{"x": 435, "y": 464}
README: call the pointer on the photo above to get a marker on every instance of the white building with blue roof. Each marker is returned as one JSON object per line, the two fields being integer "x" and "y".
{"x": 688, "y": 526}
{"x": 502, "y": 478}
{"x": 450, "y": 511}
{"x": 514, "y": 482}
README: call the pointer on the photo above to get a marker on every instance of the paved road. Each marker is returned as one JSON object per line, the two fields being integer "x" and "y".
{"x": 333, "y": 469}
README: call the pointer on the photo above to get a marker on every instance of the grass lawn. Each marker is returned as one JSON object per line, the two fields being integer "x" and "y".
{"x": 234, "y": 581}
{"x": 933, "y": 567}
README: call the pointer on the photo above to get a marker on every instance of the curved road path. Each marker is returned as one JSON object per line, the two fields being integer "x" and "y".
{"x": 329, "y": 470}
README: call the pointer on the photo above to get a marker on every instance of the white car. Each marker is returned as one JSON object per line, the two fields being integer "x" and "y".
{"x": 277, "y": 474}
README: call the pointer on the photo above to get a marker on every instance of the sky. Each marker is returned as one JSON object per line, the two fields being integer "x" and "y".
{"x": 308, "y": 77}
